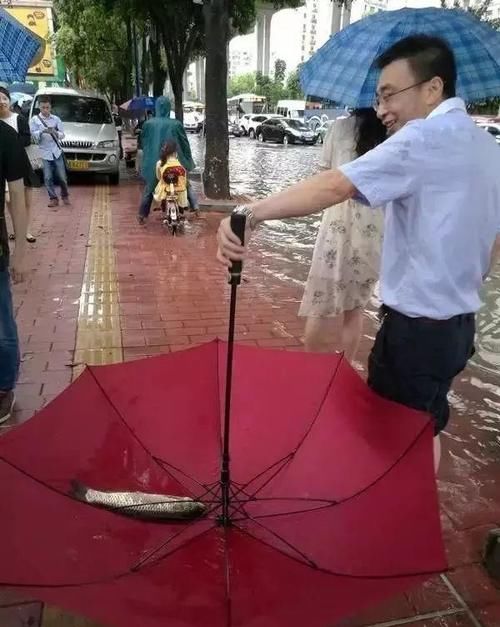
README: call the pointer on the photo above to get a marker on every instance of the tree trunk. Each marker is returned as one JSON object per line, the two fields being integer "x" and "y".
{"x": 144, "y": 64}
{"x": 178, "y": 89}
{"x": 159, "y": 73}
{"x": 216, "y": 173}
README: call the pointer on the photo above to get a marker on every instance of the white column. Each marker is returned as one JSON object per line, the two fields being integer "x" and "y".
{"x": 200, "y": 79}
{"x": 336, "y": 17}
{"x": 267, "y": 43}
{"x": 260, "y": 28}
{"x": 346, "y": 14}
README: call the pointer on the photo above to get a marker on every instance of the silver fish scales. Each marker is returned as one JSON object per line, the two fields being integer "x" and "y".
{"x": 140, "y": 504}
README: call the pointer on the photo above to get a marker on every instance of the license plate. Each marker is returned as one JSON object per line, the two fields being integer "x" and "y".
{"x": 78, "y": 165}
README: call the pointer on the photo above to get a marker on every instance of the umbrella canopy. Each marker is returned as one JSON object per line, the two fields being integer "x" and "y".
{"x": 23, "y": 88}
{"x": 18, "y": 48}
{"x": 139, "y": 104}
{"x": 342, "y": 70}
{"x": 332, "y": 501}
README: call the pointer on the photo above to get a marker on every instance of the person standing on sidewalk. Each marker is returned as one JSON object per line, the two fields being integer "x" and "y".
{"x": 20, "y": 124}
{"x": 47, "y": 130}
{"x": 119, "y": 128}
{"x": 12, "y": 170}
{"x": 437, "y": 178}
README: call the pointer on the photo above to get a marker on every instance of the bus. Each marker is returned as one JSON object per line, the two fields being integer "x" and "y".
{"x": 245, "y": 103}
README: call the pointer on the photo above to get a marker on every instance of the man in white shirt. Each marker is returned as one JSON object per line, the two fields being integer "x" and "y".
{"x": 47, "y": 130}
{"x": 438, "y": 178}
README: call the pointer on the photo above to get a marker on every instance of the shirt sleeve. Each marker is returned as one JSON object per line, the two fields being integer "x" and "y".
{"x": 35, "y": 129}
{"x": 390, "y": 171}
{"x": 13, "y": 155}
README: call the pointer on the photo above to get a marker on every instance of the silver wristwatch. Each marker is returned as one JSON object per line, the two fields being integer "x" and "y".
{"x": 246, "y": 211}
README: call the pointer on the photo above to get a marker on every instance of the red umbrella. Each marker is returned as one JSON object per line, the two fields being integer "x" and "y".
{"x": 327, "y": 504}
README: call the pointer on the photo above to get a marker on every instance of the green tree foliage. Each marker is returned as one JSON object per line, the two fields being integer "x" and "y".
{"x": 242, "y": 84}
{"x": 93, "y": 43}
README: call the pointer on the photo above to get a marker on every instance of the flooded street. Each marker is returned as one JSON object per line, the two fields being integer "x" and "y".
{"x": 286, "y": 250}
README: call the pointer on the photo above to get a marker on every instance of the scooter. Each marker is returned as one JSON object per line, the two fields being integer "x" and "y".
{"x": 173, "y": 214}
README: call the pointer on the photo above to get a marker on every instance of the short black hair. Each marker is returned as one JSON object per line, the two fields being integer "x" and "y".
{"x": 5, "y": 92}
{"x": 428, "y": 57}
{"x": 44, "y": 100}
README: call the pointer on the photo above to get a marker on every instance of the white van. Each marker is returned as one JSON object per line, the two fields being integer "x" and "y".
{"x": 292, "y": 109}
{"x": 91, "y": 139}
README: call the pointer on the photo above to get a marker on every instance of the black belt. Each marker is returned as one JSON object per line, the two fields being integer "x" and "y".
{"x": 385, "y": 311}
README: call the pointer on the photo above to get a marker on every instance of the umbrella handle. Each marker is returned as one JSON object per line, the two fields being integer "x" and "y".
{"x": 238, "y": 224}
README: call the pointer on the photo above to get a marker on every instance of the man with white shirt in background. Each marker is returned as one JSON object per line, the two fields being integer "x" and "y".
{"x": 437, "y": 176}
{"x": 47, "y": 130}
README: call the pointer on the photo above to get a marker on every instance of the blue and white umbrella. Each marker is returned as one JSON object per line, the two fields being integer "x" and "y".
{"x": 343, "y": 69}
{"x": 18, "y": 47}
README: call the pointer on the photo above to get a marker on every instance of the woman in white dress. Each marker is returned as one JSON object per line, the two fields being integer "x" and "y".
{"x": 346, "y": 259}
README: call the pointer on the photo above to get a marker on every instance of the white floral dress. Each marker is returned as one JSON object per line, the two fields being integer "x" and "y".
{"x": 346, "y": 260}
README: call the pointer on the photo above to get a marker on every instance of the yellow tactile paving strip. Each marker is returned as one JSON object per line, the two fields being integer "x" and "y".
{"x": 98, "y": 339}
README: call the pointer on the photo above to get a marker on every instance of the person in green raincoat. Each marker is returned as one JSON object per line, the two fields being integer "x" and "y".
{"x": 155, "y": 133}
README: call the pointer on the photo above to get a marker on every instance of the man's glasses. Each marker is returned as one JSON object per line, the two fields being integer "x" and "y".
{"x": 384, "y": 98}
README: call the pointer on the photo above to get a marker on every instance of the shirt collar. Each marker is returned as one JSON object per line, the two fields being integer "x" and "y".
{"x": 451, "y": 104}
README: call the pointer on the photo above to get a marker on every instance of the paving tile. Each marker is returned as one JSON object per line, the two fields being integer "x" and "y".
{"x": 474, "y": 585}
{"x": 27, "y": 615}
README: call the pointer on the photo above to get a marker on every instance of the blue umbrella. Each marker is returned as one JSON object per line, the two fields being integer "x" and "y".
{"x": 343, "y": 71}
{"x": 23, "y": 88}
{"x": 18, "y": 47}
{"x": 139, "y": 104}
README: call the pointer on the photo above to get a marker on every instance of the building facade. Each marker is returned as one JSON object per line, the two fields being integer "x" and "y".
{"x": 37, "y": 15}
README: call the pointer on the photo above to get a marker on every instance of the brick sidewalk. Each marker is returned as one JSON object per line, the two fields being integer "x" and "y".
{"x": 160, "y": 294}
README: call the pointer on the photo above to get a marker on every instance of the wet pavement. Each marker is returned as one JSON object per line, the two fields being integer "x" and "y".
{"x": 101, "y": 289}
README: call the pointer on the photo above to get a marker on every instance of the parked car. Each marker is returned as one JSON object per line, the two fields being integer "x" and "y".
{"x": 193, "y": 121}
{"x": 286, "y": 132}
{"x": 91, "y": 142}
{"x": 234, "y": 129}
{"x": 493, "y": 129}
{"x": 249, "y": 123}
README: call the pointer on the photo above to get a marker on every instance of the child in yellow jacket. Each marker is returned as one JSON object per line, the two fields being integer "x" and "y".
{"x": 169, "y": 165}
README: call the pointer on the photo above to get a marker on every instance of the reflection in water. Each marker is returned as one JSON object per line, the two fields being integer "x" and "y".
{"x": 286, "y": 250}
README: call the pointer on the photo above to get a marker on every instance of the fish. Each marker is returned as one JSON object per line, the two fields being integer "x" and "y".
{"x": 140, "y": 505}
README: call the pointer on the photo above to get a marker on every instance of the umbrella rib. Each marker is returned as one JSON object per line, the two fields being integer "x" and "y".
{"x": 327, "y": 571}
{"x": 286, "y": 460}
{"x": 364, "y": 489}
{"x": 129, "y": 428}
{"x": 140, "y": 564}
{"x": 104, "y": 580}
{"x": 209, "y": 487}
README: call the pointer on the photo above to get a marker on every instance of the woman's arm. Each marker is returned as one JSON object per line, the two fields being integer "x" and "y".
{"x": 23, "y": 130}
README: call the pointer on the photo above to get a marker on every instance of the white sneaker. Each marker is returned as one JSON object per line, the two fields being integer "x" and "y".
{"x": 7, "y": 401}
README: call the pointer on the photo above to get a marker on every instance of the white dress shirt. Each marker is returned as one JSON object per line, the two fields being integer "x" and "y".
{"x": 439, "y": 182}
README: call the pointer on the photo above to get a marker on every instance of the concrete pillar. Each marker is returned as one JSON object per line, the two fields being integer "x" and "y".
{"x": 260, "y": 28}
{"x": 200, "y": 79}
{"x": 267, "y": 43}
{"x": 336, "y": 17}
{"x": 346, "y": 13}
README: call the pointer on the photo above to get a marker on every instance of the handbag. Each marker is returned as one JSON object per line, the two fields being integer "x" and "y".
{"x": 35, "y": 156}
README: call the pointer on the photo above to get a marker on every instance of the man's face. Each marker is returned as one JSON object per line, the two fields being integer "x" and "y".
{"x": 45, "y": 109}
{"x": 401, "y": 97}
{"x": 4, "y": 104}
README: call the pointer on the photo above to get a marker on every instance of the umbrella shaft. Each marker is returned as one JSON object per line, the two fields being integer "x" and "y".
{"x": 225, "y": 472}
